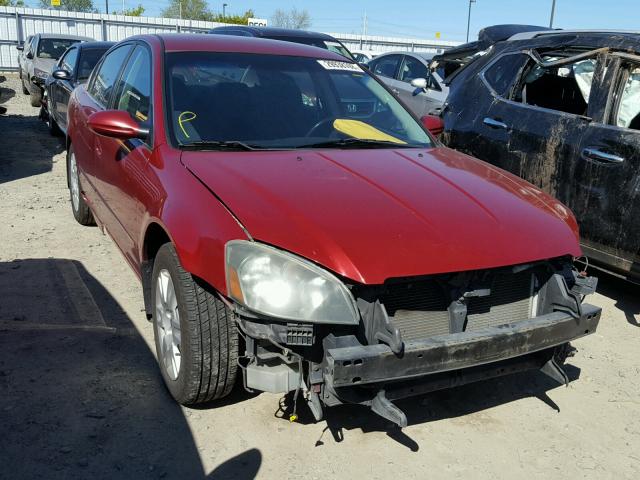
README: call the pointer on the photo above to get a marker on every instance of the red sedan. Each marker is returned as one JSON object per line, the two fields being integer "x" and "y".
{"x": 293, "y": 225}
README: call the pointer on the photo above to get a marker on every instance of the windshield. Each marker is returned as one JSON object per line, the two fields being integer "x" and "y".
{"x": 88, "y": 59}
{"x": 282, "y": 102}
{"x": 54, "y": 47}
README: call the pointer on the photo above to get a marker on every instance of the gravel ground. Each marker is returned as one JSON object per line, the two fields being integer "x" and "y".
{"x": 81, "y": 396}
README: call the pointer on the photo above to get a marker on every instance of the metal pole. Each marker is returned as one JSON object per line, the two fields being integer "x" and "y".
{"x": 224, "y": 10}
{"x": 469, "y": 18}
{"x": 106, "y": 3}
{"x": 553, "y": 11}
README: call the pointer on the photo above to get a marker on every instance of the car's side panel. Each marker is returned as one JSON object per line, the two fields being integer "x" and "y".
{"x": 197, "y": 223}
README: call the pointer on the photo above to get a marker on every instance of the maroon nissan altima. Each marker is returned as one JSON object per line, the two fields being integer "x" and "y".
{"x": 293, "y": 225}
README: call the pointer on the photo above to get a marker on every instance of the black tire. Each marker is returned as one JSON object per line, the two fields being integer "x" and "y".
{"x": 209, "y": 339}
{"x": 81, "y": 211}
{"x": 35, "y": 99}
{"x": 53, "y": 127}
{"x": 25, "y": 90}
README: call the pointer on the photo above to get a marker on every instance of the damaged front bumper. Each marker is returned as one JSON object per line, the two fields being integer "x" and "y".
{"x": 355, "y": 373}
{"x": 501, "y": 322}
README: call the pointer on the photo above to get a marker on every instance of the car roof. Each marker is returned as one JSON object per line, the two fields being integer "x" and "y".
{"x": 178, "y": 42}
{"x": 65, "y": 36}
{"x": 89, "y": 45}
{"x": 270, "y": 32}
{"x": 423, "y": 55}
{"x": 530, "y": 35}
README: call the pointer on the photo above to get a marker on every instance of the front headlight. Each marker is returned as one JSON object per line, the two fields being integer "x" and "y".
{"x": 280, "y": 284}
{"x": 40, "y": 75}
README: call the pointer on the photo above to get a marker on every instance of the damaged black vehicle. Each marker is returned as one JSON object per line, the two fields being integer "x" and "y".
{"x": 561, "y": 109}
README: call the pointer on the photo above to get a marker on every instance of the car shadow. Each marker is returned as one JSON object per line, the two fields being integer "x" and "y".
{"x": 457, "y": 402}
{"x": 624, "y": 293}
{"x": 26, "y": 148}
{"x": 81, "y": 393}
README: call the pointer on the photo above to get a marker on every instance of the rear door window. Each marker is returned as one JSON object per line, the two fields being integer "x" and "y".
{"x": 101, "y": 87}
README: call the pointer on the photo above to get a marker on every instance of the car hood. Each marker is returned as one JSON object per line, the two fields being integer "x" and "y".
{"x": 45, "y": 64}
{"x": 370, "y": 215}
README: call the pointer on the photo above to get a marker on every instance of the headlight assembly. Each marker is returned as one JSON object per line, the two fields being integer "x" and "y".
{"x": 279, "y": 284}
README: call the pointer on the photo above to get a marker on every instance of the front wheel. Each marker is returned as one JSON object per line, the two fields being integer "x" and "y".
{"x": 35, "y": 99}
{"x": 195, "y": 335}
{"x": 81, "y": 211}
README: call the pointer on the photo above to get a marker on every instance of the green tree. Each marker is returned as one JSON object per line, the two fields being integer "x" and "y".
{"x": 11, "y": 3}
{"x": 71, "y": 5}
{"x": 132, "y": 12}
{"x": 189, "y": 9}
{"x": 294, "y": 18}
{"x": 236, "y": 19}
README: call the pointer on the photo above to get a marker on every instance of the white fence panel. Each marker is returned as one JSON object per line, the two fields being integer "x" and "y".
{"x": 16, "y": 24}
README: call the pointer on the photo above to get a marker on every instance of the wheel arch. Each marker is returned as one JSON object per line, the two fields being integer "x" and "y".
{"x": 155, "y": 236}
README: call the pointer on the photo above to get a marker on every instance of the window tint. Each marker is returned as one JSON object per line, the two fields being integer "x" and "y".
{"x": 273, "y": 101}
{"x": 413, "y": 68}
{"x": 502, "y": 74}
{"x": 89, "y": 57}
{"x": 134, "y": 87}
{"x": 386, "y": 66}
{"x": 105, "y": 78}
{"x": 54, "y": 47}
{"x": 628, "y": 114}
{"x": 565, "y": 88}
{"x": 68, "y": 62}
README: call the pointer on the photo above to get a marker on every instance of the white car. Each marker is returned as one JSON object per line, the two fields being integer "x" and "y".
{"x": 409, "y": 77}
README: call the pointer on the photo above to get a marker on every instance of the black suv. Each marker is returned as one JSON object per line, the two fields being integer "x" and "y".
{"x": 562, "y": 110}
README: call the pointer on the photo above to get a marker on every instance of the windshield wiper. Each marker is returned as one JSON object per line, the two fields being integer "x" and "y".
{"x": 218, "y": 145}
{"x": 357, "y": 143}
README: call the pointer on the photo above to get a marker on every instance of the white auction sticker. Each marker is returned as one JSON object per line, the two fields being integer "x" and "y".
{"x": 337, "y": 65}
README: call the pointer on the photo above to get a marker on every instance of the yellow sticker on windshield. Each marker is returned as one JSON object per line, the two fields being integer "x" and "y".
{"x": 363, "y": 131}
{"x": 185, "y": 117}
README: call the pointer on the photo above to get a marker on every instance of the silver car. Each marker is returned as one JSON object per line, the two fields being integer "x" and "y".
{"x": 409, "y": 77}
{"x": 37, "y": 58}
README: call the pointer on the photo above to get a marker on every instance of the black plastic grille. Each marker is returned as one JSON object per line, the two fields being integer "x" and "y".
{"x": 420, "y": 309}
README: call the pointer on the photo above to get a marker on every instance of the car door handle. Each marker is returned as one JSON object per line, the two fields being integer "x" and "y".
{"x": 600, "y": 156}
{"x": 490, "y": 122}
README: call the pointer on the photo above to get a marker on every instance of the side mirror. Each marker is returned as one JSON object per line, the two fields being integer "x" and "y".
{"x": 30, "y": 55}
{"x": 364, "y": 65}
{"x": 434, "y": 124}
{"x": 20, "y": 47}
{"x": 116, "y": 124}
{"x": 419, "y": 83}
{"x": 61, "y": 74}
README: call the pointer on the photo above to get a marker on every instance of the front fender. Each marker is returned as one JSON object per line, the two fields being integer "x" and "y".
{"x": 196, "y": 222}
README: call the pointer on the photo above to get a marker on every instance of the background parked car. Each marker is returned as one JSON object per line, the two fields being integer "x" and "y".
{"x": 562, "y": 110}
{"x": 22, "y": 51}
{"x": 315, "y": 39}
{"x": 363, "y": 56}
{"x": 409, "y": 77}
{"x": 73, "y": 69}
{"x": 38, "y": 57}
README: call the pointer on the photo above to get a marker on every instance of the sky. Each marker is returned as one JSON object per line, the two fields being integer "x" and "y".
{"x": 423, "y": 18}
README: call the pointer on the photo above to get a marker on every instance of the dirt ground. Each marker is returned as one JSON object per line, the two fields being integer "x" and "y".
{"x": 81, "y": 397}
